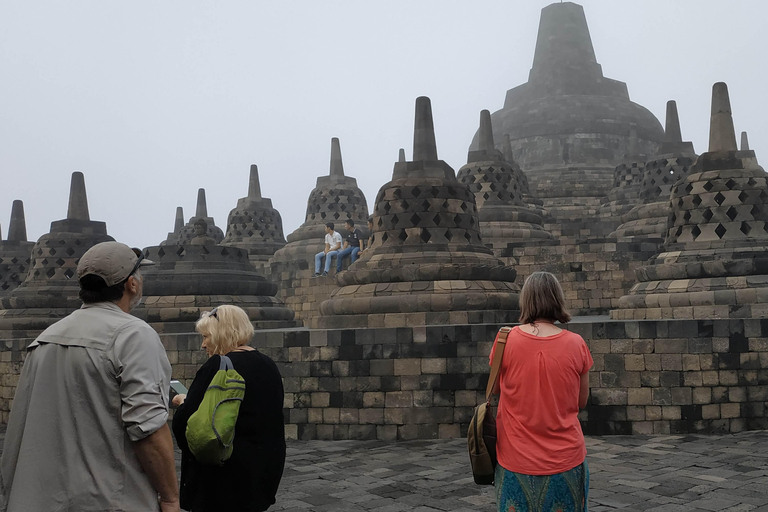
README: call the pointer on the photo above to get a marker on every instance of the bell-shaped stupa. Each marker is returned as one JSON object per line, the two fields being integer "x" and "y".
{"x": 15, "y": 251}
{"x": 195, "y": 273}
{"x": 715, "y": 260}
{"x": 498, "y": 188}
{"x": 199, "y": 227}
{"x": 627, "y": 183}
{"x": 50, "y": 290}
{"x": 335, "y": 199}
{"x": 569, "y": 125}
{"x": 254, "y": 225}
{"x": 427, "y": 264}
{"x": 673, "y": 163}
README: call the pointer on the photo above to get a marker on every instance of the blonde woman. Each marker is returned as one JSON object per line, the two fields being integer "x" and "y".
{"x": 543, "y": 381}
{"x": 248, "y": 481}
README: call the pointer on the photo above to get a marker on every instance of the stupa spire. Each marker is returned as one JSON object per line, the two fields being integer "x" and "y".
{"x": 744, "y": 142}
{"x": 179, "y": 222}
{"x": 401, "y": 155}
{"x": 202, "y": 207}
{"x": 506, "y": 149}
{"x": 672, "y": 131}
{"x": 78, "y": 199}
{"x": 254, "y": 187}
{"x": 634, "y": 151}
{"x": 486, "y": 132}
{"x": 722, "y": 135}
{"x": 337, "y": 166}
{"x": 424, "y": 145}
{"x": 17, "y": 229}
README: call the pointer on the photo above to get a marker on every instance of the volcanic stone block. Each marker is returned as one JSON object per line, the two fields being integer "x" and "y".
{"x": 427, "y": 254}
{"x": 717, "y": 237}
{"x": 50, "y": 290}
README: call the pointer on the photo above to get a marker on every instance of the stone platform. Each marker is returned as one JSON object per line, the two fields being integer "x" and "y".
{"x": 405, "y": 383}
{"x": 690, "y": 473}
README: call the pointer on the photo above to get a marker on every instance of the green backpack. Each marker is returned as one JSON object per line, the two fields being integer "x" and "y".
{"x": 211, "y": 429}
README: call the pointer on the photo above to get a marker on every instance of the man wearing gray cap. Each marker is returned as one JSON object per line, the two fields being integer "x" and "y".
{"x": 88, "y": 429}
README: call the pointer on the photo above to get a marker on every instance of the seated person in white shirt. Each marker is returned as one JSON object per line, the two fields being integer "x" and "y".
{"x": 332, "y": 246}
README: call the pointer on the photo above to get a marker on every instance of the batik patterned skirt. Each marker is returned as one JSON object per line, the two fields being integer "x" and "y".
{"x": 563, "y": 492}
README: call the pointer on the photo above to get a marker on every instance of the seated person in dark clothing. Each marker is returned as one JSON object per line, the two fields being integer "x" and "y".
{"x": 353, "y": 243}
{"x": 367, "y": 249}
{"x": 248, "y": 481}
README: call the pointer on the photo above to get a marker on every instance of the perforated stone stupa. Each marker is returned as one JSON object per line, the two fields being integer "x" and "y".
{"x": 189, "y": 279}
{"x": 335, "y": 198}
{"x": 427, "y": 263}
{"x": 254, "y": 225}
{"x": 498, "y": 189}
{"x": 15, "y": 251}
{"x": 50, "y": 289}
{"x": 715, "y": 260}
{"x": 661, "y": 172}
{"x": 187, "y": 233}
{"x": 627, "y": 183}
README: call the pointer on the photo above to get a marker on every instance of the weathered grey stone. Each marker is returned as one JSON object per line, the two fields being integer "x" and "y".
{"x": 335, "y": 198}
{"x": 744, "y": 141}
{"x": 50, "y": 289}
{"x": 254, "y": 225}
{"x": 426, "y": 254}
{"x": 188, "y": 233}
{"x": 714, "y": 262}
{"x": 15, "y": 251}
{"x": 722, "y": 135}
{"x": 497, "y": 185}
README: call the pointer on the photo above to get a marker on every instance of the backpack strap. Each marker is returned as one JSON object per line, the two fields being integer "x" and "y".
{"x": 225, "y": 363}
{"x": 498, "y": 355}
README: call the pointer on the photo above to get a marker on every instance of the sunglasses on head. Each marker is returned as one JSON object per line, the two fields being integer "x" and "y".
{"x": 214, "y": 313}
{"x": 140, "y": 256}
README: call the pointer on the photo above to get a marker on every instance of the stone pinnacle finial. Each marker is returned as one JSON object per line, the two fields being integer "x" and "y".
{"x": 254, "y": 187}
{"x": 424, "y": 145}
{"x": 633, "y": 144}
{"x": 179, "y": 222}
{"x": 401, "y": 155}
{"x": 506, "y": 148}
{"x": 202, "y": 207}
{"x": 17, "y": 229}
{"x": 744, "y": 142}
{"x": 78, "y": 200}
{"x": 486, "y": 132}
{"x": 672, "y": 131}
{"x": 337, "y": 166}
{"x": 722, "y": 135}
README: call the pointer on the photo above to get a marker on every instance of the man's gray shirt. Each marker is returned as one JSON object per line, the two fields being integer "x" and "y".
{"x": 92, "y": 384}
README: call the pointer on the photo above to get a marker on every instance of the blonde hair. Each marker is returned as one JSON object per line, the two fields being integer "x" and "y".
{"x": 542, "y": 298}
{"x": 228, "y": 327}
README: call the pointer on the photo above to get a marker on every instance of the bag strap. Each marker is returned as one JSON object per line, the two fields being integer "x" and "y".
{"x": 498, "y": 355}
{"x": 225, "y": 364}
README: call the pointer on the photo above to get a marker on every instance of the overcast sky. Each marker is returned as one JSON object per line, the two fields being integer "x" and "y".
{"x": 152, "y": 100}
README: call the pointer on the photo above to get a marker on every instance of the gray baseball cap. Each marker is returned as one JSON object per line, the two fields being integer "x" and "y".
{"x": 112, "y": 261}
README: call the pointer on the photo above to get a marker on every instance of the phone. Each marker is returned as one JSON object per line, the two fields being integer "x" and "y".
{"x": 177, "y": 388}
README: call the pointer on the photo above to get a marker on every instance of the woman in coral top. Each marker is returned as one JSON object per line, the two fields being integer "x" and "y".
{"x": 543, "y": 381}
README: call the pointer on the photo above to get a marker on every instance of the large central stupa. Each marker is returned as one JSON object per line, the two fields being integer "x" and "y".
{"x": 569, "y": 124}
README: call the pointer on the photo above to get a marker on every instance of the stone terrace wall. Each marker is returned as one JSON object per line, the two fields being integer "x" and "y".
{"x": 403, "y": 383}
{"x": 594, "y": 274}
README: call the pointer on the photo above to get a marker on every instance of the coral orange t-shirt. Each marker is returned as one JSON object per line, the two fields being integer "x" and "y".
{"x": 538, "y": 431}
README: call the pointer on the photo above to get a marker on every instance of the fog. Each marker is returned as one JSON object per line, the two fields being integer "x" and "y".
{"x": 153, "y": 100}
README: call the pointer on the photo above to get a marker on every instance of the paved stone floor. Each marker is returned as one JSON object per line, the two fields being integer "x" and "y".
{"x": 648, "y": 473}
{"x": 644, "y": 473}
